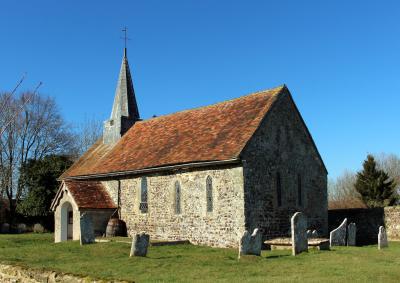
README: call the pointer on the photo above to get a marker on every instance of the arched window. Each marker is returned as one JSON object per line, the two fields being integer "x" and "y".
{"x": 278, "y": 189}
{"x": 143, "y": 195}
{"x": 299, "y": 193}
{"x": 209, "y": 194}
{"x": 177, "y": 197}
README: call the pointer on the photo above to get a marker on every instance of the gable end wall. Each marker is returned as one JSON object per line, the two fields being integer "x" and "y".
{"x": 282, "y": 144}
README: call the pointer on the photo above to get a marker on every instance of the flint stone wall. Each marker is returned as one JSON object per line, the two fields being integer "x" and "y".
{"x": 368, "y": 221}
{"x": 13, "y": 274}
{"x": 220, "y": 228}
{"x": 282, "y": 144}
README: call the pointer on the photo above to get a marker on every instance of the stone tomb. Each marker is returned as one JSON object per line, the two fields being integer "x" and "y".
{"x": 250, "y": 244}
{"x": 339, "y": 235}
{"x": 382, "y": 238}
{"x": 87, "y": 232}
{"x": 140, "y": 243}
{"x": 351, "y": 234}
{"x": 314, "y": 234}
{"x": 299, "y": 233}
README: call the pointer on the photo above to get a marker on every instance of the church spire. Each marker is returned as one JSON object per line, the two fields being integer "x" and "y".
{"x": 124, "y": 111}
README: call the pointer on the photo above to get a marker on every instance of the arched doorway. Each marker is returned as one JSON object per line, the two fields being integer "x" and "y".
{"x": 67, "y": 222}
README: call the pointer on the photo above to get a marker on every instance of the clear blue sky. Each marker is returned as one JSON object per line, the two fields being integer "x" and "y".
{"x": 340, "y": 60}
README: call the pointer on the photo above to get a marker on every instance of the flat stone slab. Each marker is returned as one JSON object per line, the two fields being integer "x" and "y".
{"x": 286, "y": 243}
{"x": 168, "y": 243}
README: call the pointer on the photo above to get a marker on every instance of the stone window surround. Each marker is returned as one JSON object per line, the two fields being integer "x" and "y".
{"x": 300, "y": 197}
{"x": 143, "y": 196}
{"x": 209, "y": 195}
{"x": 283, "y": 205}
{"x": 177, "y": 197}
{"x": 278, "y": 187}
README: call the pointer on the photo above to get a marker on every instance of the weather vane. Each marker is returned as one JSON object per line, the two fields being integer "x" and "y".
{"x": 125, "y": 38}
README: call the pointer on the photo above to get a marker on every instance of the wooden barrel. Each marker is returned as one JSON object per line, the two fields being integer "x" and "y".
{"x": 116, "y": 227}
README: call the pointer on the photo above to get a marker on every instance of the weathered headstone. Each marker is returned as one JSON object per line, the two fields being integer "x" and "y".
{"x": 338, "y": 236}
{"x": 309, "y": 233}
{"x": 382, "y": 238}
{"x": 21, "y": 228}
{"x": 314, "y": 234}
{"x": 87, "y": 232}
{"x": 250, "y": 244}
{"x": 5, "y": 228}
{"x": 140, "y": 243}
{"x": 38, "y": 228}
{"x": 351, "y": 234}
{"x": 299, "y": 233}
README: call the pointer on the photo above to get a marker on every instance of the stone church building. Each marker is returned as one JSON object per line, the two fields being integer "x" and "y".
{"x": 203, "y": 175}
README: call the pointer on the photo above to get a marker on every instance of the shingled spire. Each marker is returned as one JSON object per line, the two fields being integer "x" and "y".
{"x": 125, "y": 111}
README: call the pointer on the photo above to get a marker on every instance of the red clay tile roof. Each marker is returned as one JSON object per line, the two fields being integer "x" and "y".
{"x": 90, "y": 194}
{"x": 212, "y": 133}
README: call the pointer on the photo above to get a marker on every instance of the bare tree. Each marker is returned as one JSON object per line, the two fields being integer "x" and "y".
{"x": 87, "y": 133}
{"x": 342, "y": 193}
{"x": 32, "y": 129}
{"x": 390, "y": 163}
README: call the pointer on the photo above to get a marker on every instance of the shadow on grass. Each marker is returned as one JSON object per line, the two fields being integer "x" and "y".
{"x": 276, "y": 256}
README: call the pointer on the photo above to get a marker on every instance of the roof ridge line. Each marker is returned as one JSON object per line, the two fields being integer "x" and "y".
{"x": 280, "y": 87}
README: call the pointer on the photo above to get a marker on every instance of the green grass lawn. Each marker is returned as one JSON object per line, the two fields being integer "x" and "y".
{"x": 186, "y": 263}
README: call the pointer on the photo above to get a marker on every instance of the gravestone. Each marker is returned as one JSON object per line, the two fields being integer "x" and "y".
{"x": 5, "y": 228}
{"x": 314, "y": 234}
{"x": 250, "y": 244}
{"x": 87, "y": 232}
{"x": 339, "y": 235}
{"x": 38, "y": 228}
{"x": 382, "y": 238}
{"x": 21, "y": 228}
{"x": 309, "y": 233}
{"x": 351, "y": 234}
{"x": 140, "y": 243}
{"x": 299, "y": 233}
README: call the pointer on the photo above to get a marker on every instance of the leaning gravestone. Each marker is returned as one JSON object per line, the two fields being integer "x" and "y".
{"x": 87, "y": 232}
{"x": 250, "y": 244}
{"x": 382, "y": 238}
{"x": 351, "y": 234}
{"x": 338, "y": 236}
{"x": 140, "y": 243}
{"x": 314, "y": 234}
{"x": 299, "y": 233}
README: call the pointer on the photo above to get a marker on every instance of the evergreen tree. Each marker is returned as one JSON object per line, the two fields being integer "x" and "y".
{"x": 39, "y": 180}
{"x": 375, "y": 186}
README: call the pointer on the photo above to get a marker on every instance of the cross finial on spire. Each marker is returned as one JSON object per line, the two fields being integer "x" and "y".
{"x": 125, "y": 38}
